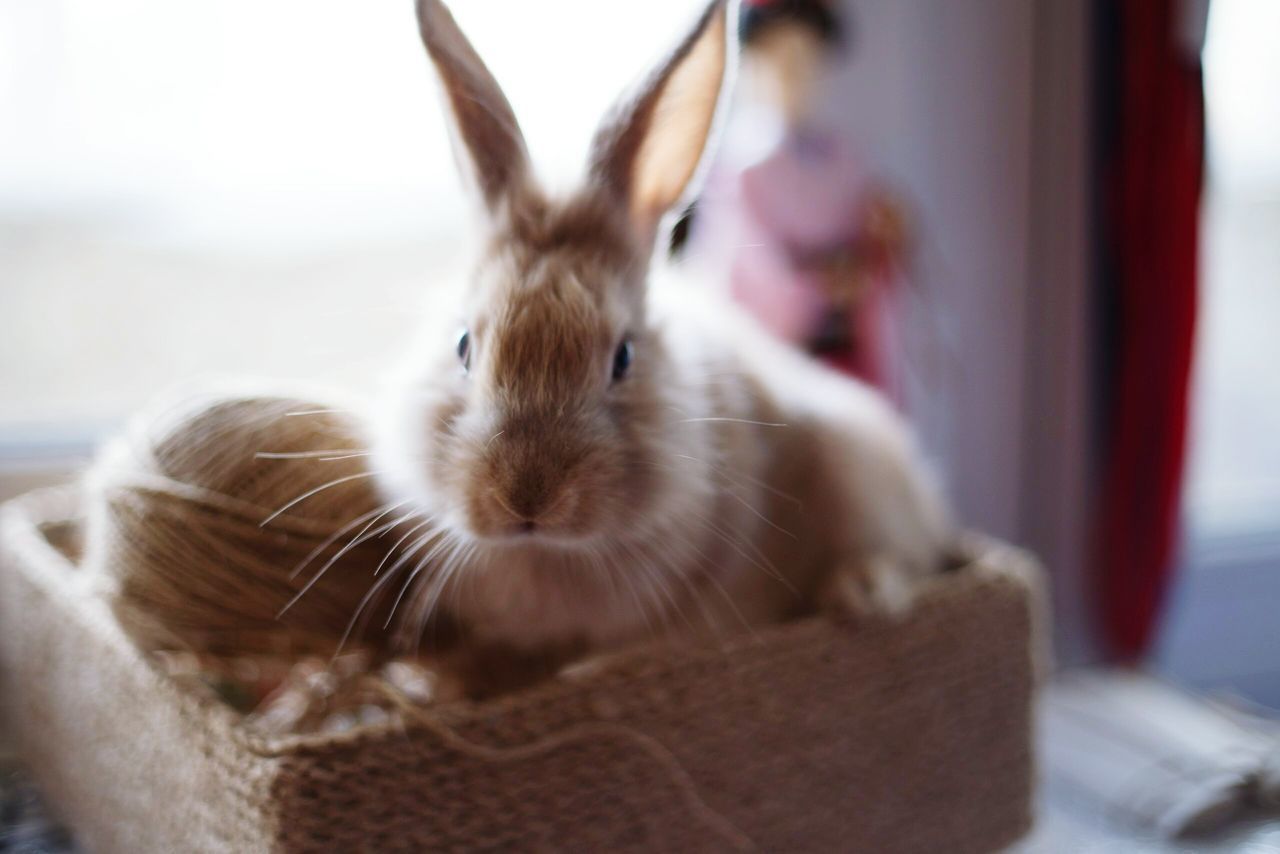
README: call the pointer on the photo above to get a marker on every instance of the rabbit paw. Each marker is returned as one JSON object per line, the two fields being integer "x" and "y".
{"x": 870, "y": 588}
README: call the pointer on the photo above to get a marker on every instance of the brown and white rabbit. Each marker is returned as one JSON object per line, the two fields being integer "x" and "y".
{"x": 601, "y": 454}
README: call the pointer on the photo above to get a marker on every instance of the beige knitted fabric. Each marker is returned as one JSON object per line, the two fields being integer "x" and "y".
{"x": 807, "y": 737}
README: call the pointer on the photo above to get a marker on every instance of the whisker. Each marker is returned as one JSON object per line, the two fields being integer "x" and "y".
{"x": 763, "y": 518}
{"x": 593, "y": 557}
{"x": 333, "y": 539}
{"x": 467, "y": 557}
{"x": 733, "y": 606}
{"x": 352, "y": 543}
{"x": 613, "y": 570}
{"x": 418, "y": 567}
{"x": 694, "y": 594}
{"x": 382, "y": 582}
{"x": 658, "y": 581}
{"x": 450, "y": 568}
{"x": 738, "y": 547}
{"x": 749, "y": 479}
{"x": 364, "y": 603}
{"x": 407, "y": 534}
{"x": 382, "y": 532}
{"x": 730, "y": 492}
{"x": 304, "y": 496}
{"x": 330, "y": 541}
{"x": 717, "y": 418}
{"x": 709, "y": 574}
{"x": 335, "y": 454}
{"x": 417, "y": 546}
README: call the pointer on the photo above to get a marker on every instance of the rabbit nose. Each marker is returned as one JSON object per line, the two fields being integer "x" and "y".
{"x": 531, "y": 462}
{"x": 530, "y": 504}
{"x": 536, "y": 494}
{"x": 529, "y": 495}
{"x": 523, "y": 482}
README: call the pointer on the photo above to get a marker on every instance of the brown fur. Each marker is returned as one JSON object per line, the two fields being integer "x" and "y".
{"x": 483, "y": 118}
{"x": 646, "y": 165}
{"x": 709, "y": 490}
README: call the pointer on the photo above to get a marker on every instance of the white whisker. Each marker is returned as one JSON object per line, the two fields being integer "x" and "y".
{"x": 352, "y": 543}
{"x": 766, "y": 566}
{"x": 610, "y": 563}
{"x": 709, "y": 573}
{"x": 448, "y": 570}
{"x": 304, "y": 496}
{"x": 364, "y": 603}
{"x": 335, "y": 454}
{"x": 330, "y": 541}
{"x": 748, "y": 478}
{"x": 439, "y": 546}
{"x": 407, "y": 534}
{"x": 418, "y": 545}
{"x": 760, "y": 515}
{"x": 382, "y": 582}
{"x": 658, "y": 581}
{"x": 732, "y": 421}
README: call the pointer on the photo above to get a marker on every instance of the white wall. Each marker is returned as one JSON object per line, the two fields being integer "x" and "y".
{"x": 940, "y": 96}
{"x": 286, "y": 126}
{"x": 978, "y": 109}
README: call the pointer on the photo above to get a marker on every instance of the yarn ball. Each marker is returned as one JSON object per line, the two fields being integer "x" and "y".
{"x": 241, "y": 524}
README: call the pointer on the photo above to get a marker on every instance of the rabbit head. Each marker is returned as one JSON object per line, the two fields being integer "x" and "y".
{"x": 541, "y": 412}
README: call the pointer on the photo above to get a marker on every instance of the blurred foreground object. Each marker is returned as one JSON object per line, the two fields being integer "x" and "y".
{"x": 1157, "y": 761}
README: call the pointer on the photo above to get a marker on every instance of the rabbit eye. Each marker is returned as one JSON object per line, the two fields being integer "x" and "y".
{"x": 622, "y": 359}
{"x": 464, "y": 349}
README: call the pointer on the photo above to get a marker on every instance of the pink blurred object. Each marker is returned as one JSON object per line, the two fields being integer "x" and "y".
{"x": 814, "y": 248}
{"x": 808, "y": 191}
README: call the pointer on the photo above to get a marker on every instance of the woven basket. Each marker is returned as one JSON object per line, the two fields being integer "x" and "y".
{"x": 913, "y": 736}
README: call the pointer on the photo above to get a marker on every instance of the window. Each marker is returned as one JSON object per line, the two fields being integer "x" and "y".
{"x": 1221, "y": 627}
{"x": 243, "y": 187}
{"x": 1235, "y": 462}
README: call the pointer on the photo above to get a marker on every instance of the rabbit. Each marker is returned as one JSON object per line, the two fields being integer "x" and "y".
{"x": 605, "y": 452}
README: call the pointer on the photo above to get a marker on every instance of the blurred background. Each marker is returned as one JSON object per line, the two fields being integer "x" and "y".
{"x": 1050, "y": 229}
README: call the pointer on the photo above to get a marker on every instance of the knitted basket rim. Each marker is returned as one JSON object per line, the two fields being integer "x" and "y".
{"x": 760, "y": 741}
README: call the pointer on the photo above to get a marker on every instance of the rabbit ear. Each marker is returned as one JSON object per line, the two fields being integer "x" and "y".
{"x": 483, "y": 121}
{"x": 649, "y": 149}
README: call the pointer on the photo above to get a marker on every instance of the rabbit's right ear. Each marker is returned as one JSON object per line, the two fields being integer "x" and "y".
{"x": 648, "y": 152}
{"x": 484, "y": 126}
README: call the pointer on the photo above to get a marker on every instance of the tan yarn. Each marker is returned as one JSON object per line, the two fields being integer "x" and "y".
{"x": 206, "y": 512}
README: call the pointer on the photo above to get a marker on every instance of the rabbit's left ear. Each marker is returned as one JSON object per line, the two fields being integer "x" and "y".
{"x": 648, "y": 151}
{"x": 483, "y": 121}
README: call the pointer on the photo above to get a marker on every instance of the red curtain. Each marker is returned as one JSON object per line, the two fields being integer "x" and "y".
{"x": 1152, "y": 169}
